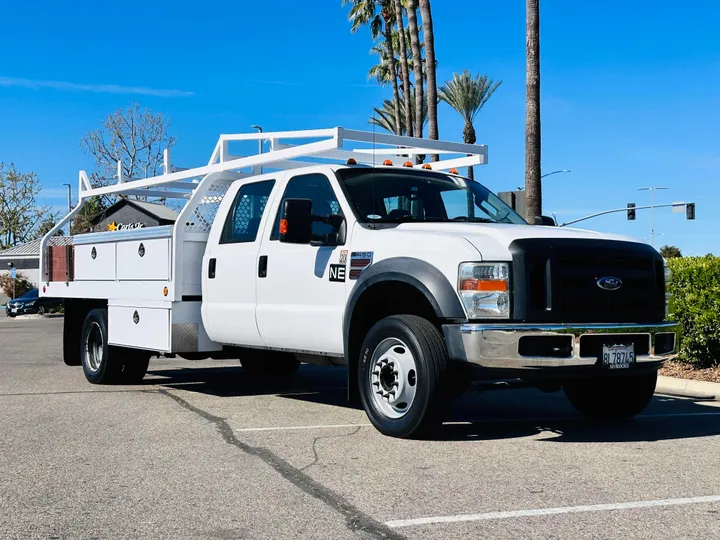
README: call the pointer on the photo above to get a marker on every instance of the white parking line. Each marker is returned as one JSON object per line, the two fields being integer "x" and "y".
{"x": 551, "y": 511}
{"x": 289, "y": 428}
{"x": 482, "y": 421}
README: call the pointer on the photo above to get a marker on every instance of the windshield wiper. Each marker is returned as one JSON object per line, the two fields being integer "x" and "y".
{"x": 473, "y": 219}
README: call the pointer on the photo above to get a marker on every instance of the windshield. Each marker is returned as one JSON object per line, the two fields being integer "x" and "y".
{"x": 395, "y": 196}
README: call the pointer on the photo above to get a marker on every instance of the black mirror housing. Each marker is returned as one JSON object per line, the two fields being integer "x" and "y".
{"x": 296, "y": 222}
{"x": 546, "y": 221}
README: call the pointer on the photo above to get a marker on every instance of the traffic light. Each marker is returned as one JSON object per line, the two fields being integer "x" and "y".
{"x": 631, "y": 210}
{"x": 690, "y": 210}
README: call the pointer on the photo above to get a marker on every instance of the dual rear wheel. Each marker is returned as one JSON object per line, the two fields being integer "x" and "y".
{"x": 107, "y": 364}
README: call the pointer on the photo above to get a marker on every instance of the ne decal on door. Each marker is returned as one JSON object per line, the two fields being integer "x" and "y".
{"x": 337, "y": 272}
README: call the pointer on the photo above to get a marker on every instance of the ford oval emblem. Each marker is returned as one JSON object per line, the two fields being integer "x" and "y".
{"x": 609, "y": 283}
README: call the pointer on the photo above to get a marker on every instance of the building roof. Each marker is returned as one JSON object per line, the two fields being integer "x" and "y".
{"x": 160, "y": 211}
{"x": 32, "y": 248}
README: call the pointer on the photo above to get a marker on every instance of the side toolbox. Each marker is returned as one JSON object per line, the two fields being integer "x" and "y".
{"x": 144, "y": 328}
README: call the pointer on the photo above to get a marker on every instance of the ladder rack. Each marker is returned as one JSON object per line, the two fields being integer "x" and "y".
{"x": 308, "y": 147}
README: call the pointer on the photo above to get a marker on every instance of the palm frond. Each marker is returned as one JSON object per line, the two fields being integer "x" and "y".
{"x": 467, "y": 94}
{"x": 384, "y": 117}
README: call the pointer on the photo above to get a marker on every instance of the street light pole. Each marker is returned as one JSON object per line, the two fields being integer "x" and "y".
{"x": 556, "y": 172}
{"x": 260, "y": 143}
{"x": 521, "y": 188}
{"x": 69, "y": 197}
{"x": 652, "y": 210}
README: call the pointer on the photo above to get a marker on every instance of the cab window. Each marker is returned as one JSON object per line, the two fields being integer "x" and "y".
{"x": 317, "y": 188}
{"x": 243, "y": 220}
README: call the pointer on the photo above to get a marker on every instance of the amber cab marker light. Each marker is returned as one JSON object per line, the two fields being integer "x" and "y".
{"x": 408, "y": 164}
{"x": 453, "y": 171}
{"x": 484, "y": 285}
{"x": 165, "y": 291}
{"x": 351, "y": 161}
{"x": 387, "y": 162}
{"x": 283, "y": 226}
{"x": 427, "y": 166}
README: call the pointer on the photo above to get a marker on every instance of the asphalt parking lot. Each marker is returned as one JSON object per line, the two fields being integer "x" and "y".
{"x": 203, "y": 451}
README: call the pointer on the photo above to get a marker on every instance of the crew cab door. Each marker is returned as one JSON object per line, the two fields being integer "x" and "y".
{"x": 301, "y": 300}
{"x": 231, "y": 267}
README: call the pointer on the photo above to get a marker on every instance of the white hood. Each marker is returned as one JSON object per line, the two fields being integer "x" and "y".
{"x": 492, "y": 240}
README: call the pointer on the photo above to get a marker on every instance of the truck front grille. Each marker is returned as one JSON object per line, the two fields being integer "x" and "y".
{"x": 556, "y": 280}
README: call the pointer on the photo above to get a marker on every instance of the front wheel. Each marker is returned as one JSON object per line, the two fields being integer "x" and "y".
{"x": 403, "y": 375}
{"x": 611, "y": 398}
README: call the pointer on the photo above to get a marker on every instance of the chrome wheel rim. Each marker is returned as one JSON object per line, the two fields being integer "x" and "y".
{"x": 94, "y": 347}
{"x": 41, "y": 310}
{"x": 393, "y": 378}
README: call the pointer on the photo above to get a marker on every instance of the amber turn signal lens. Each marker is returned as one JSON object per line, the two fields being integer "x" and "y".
{"x": 387, "y": 162}
{"x": 453, "y": 171}
{"x": 484, "y": 285}
{"x": 408, "y": 164}
{"x": 165, "y": 291}
{"x": 283, "y": 226}
{"x": 427, "y": 166}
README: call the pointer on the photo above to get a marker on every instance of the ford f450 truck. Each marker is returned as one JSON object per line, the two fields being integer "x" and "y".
{"x": 334, "y": 247}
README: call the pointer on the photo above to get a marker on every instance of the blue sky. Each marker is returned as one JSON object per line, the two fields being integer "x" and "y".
{"x": 629, "y": 90}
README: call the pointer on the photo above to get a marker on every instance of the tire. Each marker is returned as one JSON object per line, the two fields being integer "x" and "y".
{"x": 41, "y": 310}
{"x": 269, "y": 363}
{"x": 101, "y": 363}
{"x": 611, "y": 398}
{"x": 403, "y": 376}
{"x": 71, "y": 340}
{"x": 135, "y": 364}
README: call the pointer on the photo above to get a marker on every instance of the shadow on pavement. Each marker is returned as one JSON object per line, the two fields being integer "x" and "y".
{"x": 500, "y": 414}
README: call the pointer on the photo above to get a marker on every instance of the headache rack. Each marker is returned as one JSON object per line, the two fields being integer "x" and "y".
{"x": 203, "y": 188}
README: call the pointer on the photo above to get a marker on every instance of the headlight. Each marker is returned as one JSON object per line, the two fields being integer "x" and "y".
{"x": 484, "y": 289}
{"x": 28, "y": 304}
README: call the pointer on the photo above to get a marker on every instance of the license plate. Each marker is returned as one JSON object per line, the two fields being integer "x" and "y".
{"x": 13, "y": 310}
{"x": 618, "y": 356}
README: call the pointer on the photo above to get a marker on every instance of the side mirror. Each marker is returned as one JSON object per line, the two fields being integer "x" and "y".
{"x": 296, "y": 221}
{"x": 545, "y": 220}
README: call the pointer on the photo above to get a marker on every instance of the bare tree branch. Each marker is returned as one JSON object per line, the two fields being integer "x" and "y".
{"x": 135, "y": 136}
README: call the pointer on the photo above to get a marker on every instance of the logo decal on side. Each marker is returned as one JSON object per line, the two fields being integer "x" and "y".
{"x": 359, "y": 261}
{"x": 337, "y": 272}
{"x": 609, "y": 283}
{"x": 343, "y": 256}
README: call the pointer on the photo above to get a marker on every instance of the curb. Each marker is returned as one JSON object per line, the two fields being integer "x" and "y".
{"x": 689, "y": 388}
{"x": 36, "y": 317}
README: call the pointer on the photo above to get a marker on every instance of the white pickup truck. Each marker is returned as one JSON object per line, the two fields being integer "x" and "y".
{"x": 343, "y": 251}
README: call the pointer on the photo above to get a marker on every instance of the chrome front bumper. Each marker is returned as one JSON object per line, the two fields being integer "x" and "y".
{"x": 506, "y": 346}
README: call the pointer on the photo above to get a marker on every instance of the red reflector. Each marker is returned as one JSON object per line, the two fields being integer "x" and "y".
{"x": 283, "y": 226}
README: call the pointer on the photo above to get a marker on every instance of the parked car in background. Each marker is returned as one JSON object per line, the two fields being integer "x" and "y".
{"x": 31, "y": 302}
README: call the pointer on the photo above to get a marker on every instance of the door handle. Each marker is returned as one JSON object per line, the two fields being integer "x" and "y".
{"x": 211, "y": 268}
{"x": 262, "y": 266}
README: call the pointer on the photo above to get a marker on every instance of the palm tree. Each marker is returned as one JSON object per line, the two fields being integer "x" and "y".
{"x": 467, "y": 95}
{"x": 384, "y": 118}
{"x": 412, "y": 6}
{"x": 432, "y": 99}
{"x": 381, "y": 71}
{"x": 364, "y": 13}
{"x": 404, "y": 66}
{"x": 533, "y": 186}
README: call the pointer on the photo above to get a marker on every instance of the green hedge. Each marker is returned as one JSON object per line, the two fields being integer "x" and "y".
{"x": 695, "y": 303}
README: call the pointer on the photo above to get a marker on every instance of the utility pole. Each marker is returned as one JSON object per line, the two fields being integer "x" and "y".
{"x": 260, "y": 148}
{"x": 652, "y": 210}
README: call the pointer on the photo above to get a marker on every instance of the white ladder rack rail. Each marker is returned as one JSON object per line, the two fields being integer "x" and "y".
{"x": 308, "y": 147}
